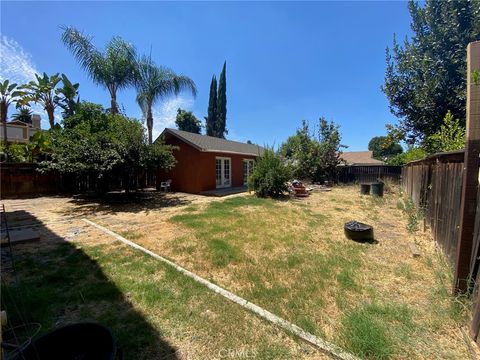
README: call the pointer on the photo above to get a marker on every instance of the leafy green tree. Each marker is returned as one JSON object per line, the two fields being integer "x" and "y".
{"x": 44, "y": 92}
{"x": 211, "y": 119}
{"x": 40, "y": 145}
{"x": 327, "y": 150}
{"x": 298, "y": 150}
{"x": 221, "y": 122}
{"x": 115, "y": 68}
{"x": 84, "y": 111}
{"x": 186, "y": 121}
{"x": 450, "y": 136}
{"x": 383, "y": 148}
{"x": 155, "y": 83}
{"x": 104, "y": 145}
{"x": 426, "y": 76}
{"x": 24, "y": 114}
{"x": 314, "y": 156}
{"x": 413, "y": 153}
{"x": 270, "y": 175}
{"x": 8, "y": 94}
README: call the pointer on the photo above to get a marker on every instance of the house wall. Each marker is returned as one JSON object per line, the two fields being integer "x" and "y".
{"x": 195, "y": 170}
{"x": 17, "y": 133}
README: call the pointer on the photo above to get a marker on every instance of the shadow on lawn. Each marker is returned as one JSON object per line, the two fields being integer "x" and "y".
{"x": 113, "y": 202}
{"x": 56, "y": 283}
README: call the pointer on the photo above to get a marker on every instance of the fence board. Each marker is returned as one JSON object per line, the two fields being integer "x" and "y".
{"x": 349, "y": 174}
{"x": 21, "y": 180}
{"x": 435, "y": 187}
{"x": 474, "y": 273}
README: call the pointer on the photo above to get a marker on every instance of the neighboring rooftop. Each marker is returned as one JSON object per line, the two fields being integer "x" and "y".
{"x": 212, "y": 144}
{"x": 360, "y": 158}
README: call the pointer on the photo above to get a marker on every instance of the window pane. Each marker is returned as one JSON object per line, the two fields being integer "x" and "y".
{"x": 226, "y": 171}
{"x": 218, "y": 171}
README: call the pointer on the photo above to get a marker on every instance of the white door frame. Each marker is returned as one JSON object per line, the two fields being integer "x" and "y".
{"x": 247, "y": 162}
{"x": 222, "y": 169}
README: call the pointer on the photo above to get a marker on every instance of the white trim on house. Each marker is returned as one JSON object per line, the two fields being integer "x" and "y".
{"x": 249, "y": 169}
{"x": 224, "y": 182}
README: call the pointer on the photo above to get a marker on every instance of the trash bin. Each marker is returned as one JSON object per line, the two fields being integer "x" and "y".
{"x": 364, "y": 189}
{"x": 377, "y": 189}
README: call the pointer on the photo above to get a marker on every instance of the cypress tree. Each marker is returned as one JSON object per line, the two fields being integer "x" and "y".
{"x": 222, "y": 104}
{"x": 211, "y": 119}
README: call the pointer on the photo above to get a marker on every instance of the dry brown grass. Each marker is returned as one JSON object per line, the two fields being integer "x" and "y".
{"x": 292, "y": 258}
{"x": 265, "y": 238}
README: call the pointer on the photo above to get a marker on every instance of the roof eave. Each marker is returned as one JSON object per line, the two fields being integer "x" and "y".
{"x": 230, "y": 152}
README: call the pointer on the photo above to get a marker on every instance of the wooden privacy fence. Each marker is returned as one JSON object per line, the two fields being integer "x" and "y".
{"x": 435, "y": 187}
{"x": 447, "y": 187}
{"x": 23, "y": 180}
{"x": 368, "y": 173}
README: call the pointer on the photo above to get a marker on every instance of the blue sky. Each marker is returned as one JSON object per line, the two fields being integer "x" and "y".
{"x": 285, "y": 61}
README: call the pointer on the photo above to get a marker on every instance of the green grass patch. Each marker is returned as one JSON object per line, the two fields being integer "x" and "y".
{"x": 223, "y": 252}
{"x": 375, "y": 331}
{"x": 101, "y": 284}
{"x": 405, "y": 271}
{"x": 131, "y": 235}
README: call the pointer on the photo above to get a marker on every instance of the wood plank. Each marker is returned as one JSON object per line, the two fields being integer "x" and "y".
{"x": 470, "y": 179}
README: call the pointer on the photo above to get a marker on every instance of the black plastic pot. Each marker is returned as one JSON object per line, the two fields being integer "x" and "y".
{"x": 364, "y": 189}
{"x": 377, "y": 189}
{"x": 86, "y": 341}
{"x": 358, "y": 231}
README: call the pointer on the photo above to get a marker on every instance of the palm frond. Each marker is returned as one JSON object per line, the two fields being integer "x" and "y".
{"x": 89, "y": 58}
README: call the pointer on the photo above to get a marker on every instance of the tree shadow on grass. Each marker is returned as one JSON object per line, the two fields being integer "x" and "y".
{"x": 56, "y": 283}
{"x": 137, "y": 201}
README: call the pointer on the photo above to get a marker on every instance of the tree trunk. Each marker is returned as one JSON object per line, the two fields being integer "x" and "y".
{"x": 113, "y": 104}
{"x": 3, "y": 111}
{"x": 51, "y": 116}
{"x": 150, "y": 124}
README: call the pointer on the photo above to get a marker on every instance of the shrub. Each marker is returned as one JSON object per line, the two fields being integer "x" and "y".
{"x": 15, "y": 153}
{"x": 270, "y": 175}
{"x": 412, "y": 154}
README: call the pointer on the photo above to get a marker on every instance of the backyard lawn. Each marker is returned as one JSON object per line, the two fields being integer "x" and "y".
{"x": 290, "y": 257}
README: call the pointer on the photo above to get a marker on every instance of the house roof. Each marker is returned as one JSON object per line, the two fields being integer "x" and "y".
{"x": 360, "y": 158}
{"x": 213, "y": 144}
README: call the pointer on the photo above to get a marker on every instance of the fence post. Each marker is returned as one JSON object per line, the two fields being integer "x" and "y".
{"x": 470, "y": 173}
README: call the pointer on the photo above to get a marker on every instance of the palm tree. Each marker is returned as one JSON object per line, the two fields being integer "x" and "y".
{"x": 156, "y": 82}
{"x": 113, "y": 68}
{"x": 43, "y": 92}
{"x": 24, "y": 115}
{"x": 8, "y": 94}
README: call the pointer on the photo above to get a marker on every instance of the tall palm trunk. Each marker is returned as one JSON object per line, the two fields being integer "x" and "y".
{"x": 3, "y": 111}
{"x": 113, "y": 100}
{"x": 149, "y": 124}
{"x": 113, "y": 105}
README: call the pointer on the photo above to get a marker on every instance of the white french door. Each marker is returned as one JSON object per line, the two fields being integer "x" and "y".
{"x": 248, "y": 166}
{"x": 223, "y": 172}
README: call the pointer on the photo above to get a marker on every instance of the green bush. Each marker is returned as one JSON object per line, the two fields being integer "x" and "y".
{"x": 270, "y": 175}
{"x": 412, "y": 154}
{"x": 15, "y": 153}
